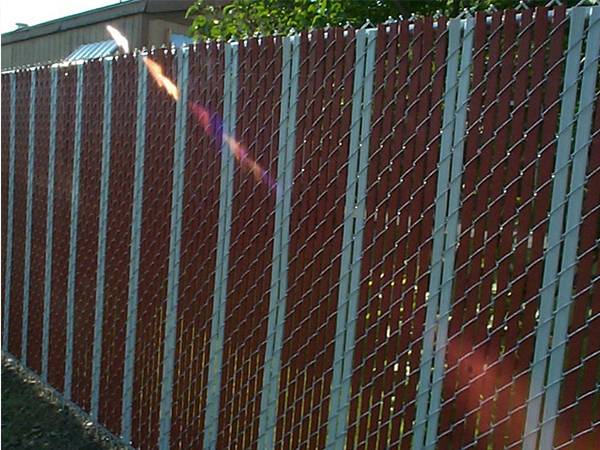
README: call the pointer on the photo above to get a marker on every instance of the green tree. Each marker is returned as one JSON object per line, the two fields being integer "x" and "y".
{"x": 245, "y": 18}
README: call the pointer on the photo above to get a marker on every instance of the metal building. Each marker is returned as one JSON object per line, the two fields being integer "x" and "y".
{"x": 146, "y": 23}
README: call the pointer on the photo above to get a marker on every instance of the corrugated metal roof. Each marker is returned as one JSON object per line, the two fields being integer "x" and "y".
{"x": 93, "y": 50}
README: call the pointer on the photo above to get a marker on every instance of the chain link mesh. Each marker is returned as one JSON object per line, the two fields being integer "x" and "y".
{"x": 480, "y": 356}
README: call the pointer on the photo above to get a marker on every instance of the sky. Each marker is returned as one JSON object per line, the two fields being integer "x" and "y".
{"x": 33, "y": 12}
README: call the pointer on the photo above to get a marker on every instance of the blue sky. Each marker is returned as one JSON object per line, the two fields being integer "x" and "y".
{"x": 33, "y": 12}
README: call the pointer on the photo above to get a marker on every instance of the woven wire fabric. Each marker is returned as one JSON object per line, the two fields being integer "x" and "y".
{"x": 348, "y": 238}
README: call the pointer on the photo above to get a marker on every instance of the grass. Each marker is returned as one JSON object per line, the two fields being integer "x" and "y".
{"x": 32, "y": 418}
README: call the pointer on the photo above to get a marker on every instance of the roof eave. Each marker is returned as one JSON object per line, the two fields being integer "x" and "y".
{"x": 104, "y": 14}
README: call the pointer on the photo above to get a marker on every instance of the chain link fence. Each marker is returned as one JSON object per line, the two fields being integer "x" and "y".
{"x": 346, "y": 238}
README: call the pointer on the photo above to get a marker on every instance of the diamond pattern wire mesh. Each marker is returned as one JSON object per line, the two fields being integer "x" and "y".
{"x": 38, "y": 245}
{"x": 87, "y": 232}
{"x": 506, "y": 197}
{"x": 65, "y": 112}
{"x": 324, "y": 110}
{"x": 250, "y": 249}
{"x": 23, "y": 93}
{"x": 481, "y": 357}
{"x": 198, "y": 254}
{"x": 5, "y": 112}
{"x": 117, "y": 243}
{"x": 154, "y": 252}
{"x": 409, "y": 77}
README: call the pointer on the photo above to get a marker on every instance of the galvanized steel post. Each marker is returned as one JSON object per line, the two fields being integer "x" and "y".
{"x": 281, "y": 237}
{"x": 166, "y": 399}
{"x": 10, "y": 214}
{"x": 134, "y": 256}
{"x": 451, "y": 232}
{"x": 102, "y": 236}
{"x": 73, "y": 233}
{"x": 445, "y": 232}
{"x": 354, "y": 216}
{"x": 211, "y": 418}
{"x": 28, "y": 218}
{"x": 563, "y": 238}
{"x": 49, "y": 225}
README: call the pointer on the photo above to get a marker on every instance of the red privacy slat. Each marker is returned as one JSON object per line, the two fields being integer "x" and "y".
{"x": 502, "y": 230}
{"x": 504, "y": 306}
{"x": 154, "y": 254}
{"x": 198, "y": 249}
{"x": 532, "y": 196}
{"x": 579, "y": 393}
{"x": 481, "y": 97}
{"x": 514, "y": 104}
{"x": 5, "y": 141}
{"x": 65, "y": 123}
{"x": 322, "y": 137}
{"x": 116, "y": 271}
{"x": 87, "y": 231}
{"x": 251, "y": 249}
{"x": 23, "y": 80}
{"x": 462, "y": 360}
{"x": 5, "y": 145}
{"x": 403, "y": 156}
{"x": 471, "y": 206}
{"x": 38, "y": 230}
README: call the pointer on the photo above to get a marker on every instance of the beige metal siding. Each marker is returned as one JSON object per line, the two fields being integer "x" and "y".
{"x": 56, "y": 46}
{"x": 159, "y": 31}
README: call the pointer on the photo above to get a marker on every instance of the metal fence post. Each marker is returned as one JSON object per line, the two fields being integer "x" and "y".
{"x": 278, "y": 294}
{"x": 134, "y": 256}
{"x": 211, "y": 420}
{"x": 10, "y": 218}
{"x": 571, "y": 234}
{"x": 174, "y": 250}
{"x": 73, "y": 233}
{"x": 441, "y": 200}
{"x": 28, "y": 219}
{"x": 102, "y": 230}
{"x": 455, "y": 182}
{"x": 354, "y": 216}
{"x": 563, "y": 237}
{"x": 49, "y": 225}
{"x": 445, "y": 233}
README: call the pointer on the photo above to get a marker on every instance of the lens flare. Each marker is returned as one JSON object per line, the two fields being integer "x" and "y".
{"x": 203, "y": 117}
{"x": 237, "y": 149}
{"x": 118, "y": 38}
{"x": 157, "y": 73}
{"x": 241, "y": 154}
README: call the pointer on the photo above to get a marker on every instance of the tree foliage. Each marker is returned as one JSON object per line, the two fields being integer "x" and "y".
{"x": 245, "y": 18}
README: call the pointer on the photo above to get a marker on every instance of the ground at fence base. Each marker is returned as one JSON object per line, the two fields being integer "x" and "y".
{"x": 34, "y": 418}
